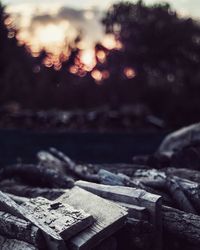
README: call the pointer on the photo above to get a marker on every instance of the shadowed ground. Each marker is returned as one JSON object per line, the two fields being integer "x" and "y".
{"x": 85, "y": 147}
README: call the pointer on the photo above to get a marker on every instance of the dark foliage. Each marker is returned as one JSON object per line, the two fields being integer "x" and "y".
{"x": 160, "y": 48}
{"x": 164, "y": 51}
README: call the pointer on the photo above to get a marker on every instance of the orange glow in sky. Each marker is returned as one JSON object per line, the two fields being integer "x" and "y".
{"x": 53, "y": 39}
{"x": 88, "y": 59}
{"x": 97, "y": 75}
{"x": 56, "y": 35}
{"x": 129, "y": 72}
{"x": 50, "y": 34}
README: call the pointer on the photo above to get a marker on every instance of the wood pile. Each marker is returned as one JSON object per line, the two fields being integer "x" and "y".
{"x": 59, "y": 204}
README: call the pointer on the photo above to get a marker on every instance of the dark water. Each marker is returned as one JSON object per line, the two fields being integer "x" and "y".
{"x": 83, "y": 147}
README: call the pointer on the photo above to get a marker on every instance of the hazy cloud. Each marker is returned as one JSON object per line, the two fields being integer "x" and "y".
{"x": 85, "y": 22}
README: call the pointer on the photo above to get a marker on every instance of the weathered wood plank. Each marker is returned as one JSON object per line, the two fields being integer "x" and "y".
{"x": 18, "y": 199}
{"x": 134, "y": 211}
{"x": 132, "y": 196}
{"x": 108, "y": 178}
{"x": 127, "y": 195}
{"x": 10, "y": 244}
{"x": 19, "y": 229}
{"x": 108, "y": 216}
{"x": 54, "y": 241}
{"x": 63, "y": 219}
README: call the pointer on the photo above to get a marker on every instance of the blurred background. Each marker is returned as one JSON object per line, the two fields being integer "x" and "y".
{"x": 99, "y": 65}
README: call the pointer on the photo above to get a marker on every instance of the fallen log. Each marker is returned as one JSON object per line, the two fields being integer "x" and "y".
{"x": 179, "y": 196}
{"x": 80, "y": 171}
{"x": 36, "y": 175}
{"x": 184, "y": 192}
{"x": 15, "y": 228}
{"x": 180, "y": 138}
{"x": 192, "y": 191}
{"x": 187, "y": 157}
{"x": 12, "y": 244}
{"x": 189, "y": 174}
{"x": 47, "y": 159}
{"x": 31, "y": 192}
{"x": 185, "y": 226}
{"x": 108, "y": 216}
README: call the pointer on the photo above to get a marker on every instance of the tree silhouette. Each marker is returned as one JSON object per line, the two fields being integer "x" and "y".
{"x": 16, "y": 76}
{"x": 157, "y": 65}
{"x": 163, "y": 50}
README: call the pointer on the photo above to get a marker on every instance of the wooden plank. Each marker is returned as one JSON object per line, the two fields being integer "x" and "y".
{"x": 127, "y": 195}
{"x": 53, "y": 240}
{"x": 134, "y": 211}
{"x": 63, "y": 219}
{"x": 11, "y": 244}
{"x": 108, "y": 216}
{"x": 132, "y": 196}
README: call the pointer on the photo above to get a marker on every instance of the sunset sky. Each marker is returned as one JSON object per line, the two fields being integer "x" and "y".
{"x": 53, "y": 24}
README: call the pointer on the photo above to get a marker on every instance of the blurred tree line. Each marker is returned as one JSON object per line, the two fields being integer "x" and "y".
{"x": 157, "y": 63}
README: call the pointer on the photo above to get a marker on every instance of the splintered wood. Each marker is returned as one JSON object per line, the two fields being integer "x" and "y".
{"x": 108, "y": 216}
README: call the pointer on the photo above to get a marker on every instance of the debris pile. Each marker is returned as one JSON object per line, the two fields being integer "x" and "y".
{"x": 153, "y": 203}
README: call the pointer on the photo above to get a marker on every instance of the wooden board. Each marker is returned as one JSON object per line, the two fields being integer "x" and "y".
{"x": 10, "y": 244}
{"x": 63, "y": 219}
{"x": 53, "y": 239}
{"x": 134, "y": 211}
{"x": 133, "y": 196}
{"x": 108, "y": 216}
